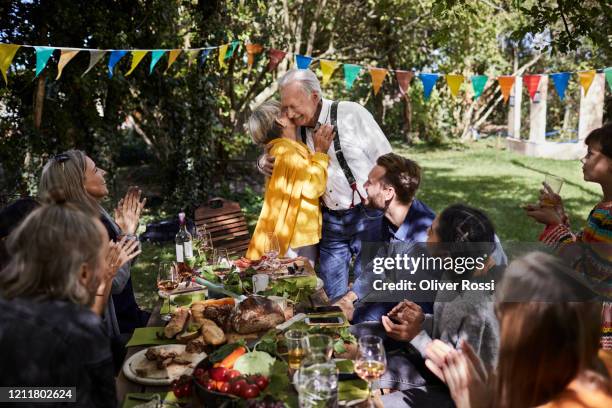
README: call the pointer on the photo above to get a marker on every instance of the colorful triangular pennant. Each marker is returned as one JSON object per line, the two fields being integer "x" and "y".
{"x": 378, "y": 76}
{"x": 403, "y": 80}
{"x": 155, "y": 56}
{"x": 42, "y": 57}
{"x": 454, "y": 82}
{"x": 7, "y": 53}
{"x": 532, "y": 82}
{"x": 114, "y": 58}
{"x": 191, "y": 56}
{"x": 204, "y": 56}
{"x": 428, "y": 80}
{"x": 560, "y": 80}
{"x": 478, "y": 84}
{"x": 303, "y": 61}
{"x": 222, "y": 52}
{"x": 94, "y": 58}
{"x": 506, "y": 82}
{"x": 608, "y": 74}
{"x": 252, "y": 50}
{"x": 65, "y": 58}
{"x": 172, "y": 56}
{"x": 351, "y": 72}
{"x": 586, "y": 79}
{"x": 328, "y": 68}
{"x": 137, "y": 56}
{"x": 232, "y": 47}
{"x": 275, "y": 56}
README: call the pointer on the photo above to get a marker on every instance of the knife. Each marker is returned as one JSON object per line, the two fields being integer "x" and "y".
{"x": 218, "y": 288}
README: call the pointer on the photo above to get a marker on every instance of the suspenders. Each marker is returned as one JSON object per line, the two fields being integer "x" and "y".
{"x": 339, "y": 155}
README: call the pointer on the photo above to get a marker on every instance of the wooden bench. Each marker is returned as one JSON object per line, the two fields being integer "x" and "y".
{"x": 225, "y": 222}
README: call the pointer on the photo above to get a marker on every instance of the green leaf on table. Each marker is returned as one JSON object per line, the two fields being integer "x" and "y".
{"x": 267, "y": 343}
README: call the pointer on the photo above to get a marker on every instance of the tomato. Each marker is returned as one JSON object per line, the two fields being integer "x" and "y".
{"x": 261, "y": 382}
{"x": 186, "y": 389}
{"x": 218, "y": 373}
{"x": 225, "y": 388}
{"x": 219, "y": 384}
{"x": 237, "y": 387}
{"x": 233, "y": 374}
{"x": 209, "y": 385}
{"x": 251, "y": 391}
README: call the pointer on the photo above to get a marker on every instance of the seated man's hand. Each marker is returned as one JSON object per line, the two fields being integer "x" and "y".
{"x": 346, "y": 304}
{"x": 407, "y": 312}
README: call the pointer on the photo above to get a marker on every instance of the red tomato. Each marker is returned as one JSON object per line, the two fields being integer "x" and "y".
{"x": 218, "y": 373}
{"x": 233, "y": 374}
{"x": 225, "y": 388}
{"x": 186, "y": 389}
{"x": 261, "y": 382}
{"x": 209, "y": 385}
{"x": 237, "y": 387}
{"x": 251, "y": 391}
{"x": 219, "y": 385}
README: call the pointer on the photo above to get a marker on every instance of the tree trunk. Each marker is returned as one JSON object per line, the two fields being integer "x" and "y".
{"x": 39, "y": 99}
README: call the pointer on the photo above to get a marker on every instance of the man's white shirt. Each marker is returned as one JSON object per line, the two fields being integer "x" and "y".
{"x": 362, "y": 142}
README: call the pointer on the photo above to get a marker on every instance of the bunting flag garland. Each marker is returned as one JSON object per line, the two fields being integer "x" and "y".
{"x": 608, "y": 73}
{"x": 7, "y": 53}
{"x": 302, "y": 61}
{"x": 428, "y": 80}
{"x": 351, "y": 72}
{"x": 222, "y": 52}
{"x": 328, "y": 68}
{"x": 586, "y": 79}
{"x": 532, "y": 82}
{"x": 252, "y": 51}
{"x": 94, "y": 58}
{"x": 403, "y": 80}
{"x": 506, "y": 82}
{"x": 137, "y": 56}
{"x": 454, "y": 82}
{"x": 155, "y": 56}
{"x": 42, "y": 57}
{"x": 560, "y": 80}
{"x": 65, "y": 58}
{"x": 172, "y": 57}
{"x": 275, "y": 56}
{"x": 478, "y": 84}
{"x": 378, "y": 76}
{"x": 114, "y": 58}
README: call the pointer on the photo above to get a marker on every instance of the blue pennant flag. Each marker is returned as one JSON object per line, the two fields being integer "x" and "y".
{"x": 302, "y": 61}
{"x": 429, "y": 80}
{"x": 204, "y": 56}
{"x": 42, "y": 57}
{"x": 113, "y": 60}
{"x": 155, "y": 56}
{"x": 560, "y": 79}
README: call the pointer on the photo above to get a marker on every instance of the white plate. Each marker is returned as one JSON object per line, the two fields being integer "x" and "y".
{"x": 155, "y": 375}
{"x": 182, "y": 289}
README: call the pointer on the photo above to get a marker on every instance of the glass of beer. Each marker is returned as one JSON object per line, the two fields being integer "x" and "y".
{"x": 371, "y": 361}
{"x": 555, "y": 183}
{"x": 295, "y": 349}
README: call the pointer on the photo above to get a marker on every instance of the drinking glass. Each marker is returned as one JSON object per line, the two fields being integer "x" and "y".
{"x": 318, "y": 347}
{"x": 555, "y": 183}
{"x": 295, "y": 349}
{"x": 317, "y": 385}
{"x": 167, "y": 281}
{"x": 371, "y": 361}
{"x": 272, "y": 249}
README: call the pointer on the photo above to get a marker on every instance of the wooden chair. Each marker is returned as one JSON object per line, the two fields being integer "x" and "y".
{"x": 225, "y": 222}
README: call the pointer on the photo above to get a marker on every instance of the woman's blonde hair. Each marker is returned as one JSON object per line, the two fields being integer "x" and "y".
{"x": 263, "y": 120}
{"x": 48, "y": 250}
{"x": 66, "y": 171}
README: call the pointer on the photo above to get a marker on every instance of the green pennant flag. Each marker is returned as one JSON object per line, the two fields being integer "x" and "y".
{"x": 478, "y": 83}
{"x": 231, "y": 49}
{"x": 350, "y": 74}
{"x": 608, "y": 73}
{"x": 155, "y": 56}
{"x": 42, "y": 57}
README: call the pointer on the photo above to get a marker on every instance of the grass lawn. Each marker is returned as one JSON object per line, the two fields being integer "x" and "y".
{"x": 481, "y": 174}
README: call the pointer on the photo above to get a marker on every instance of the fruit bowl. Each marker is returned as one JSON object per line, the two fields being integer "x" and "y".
{"x": 212, "y": 398}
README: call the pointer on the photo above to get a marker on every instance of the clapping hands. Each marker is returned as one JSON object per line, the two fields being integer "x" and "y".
{"x": 119, "y": 253}
{"x": 127, "y": 213}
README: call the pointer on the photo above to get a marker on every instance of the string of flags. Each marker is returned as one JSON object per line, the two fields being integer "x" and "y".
{"x": 275, "y": 57}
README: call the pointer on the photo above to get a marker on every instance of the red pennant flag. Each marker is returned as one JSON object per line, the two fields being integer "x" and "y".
{"x": 276, "y": 56}
{"x": 531, "y": 82}
{"x": 403, "y": 80}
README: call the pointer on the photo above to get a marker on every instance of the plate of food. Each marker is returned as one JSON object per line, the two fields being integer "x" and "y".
{"x": 160, "y": 365}
{"x": 183, "y": 287}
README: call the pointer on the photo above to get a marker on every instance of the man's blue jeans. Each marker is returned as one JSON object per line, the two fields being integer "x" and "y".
{"x": 343, "y": 233}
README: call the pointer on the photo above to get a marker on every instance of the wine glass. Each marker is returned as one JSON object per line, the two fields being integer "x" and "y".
{"x": 167, "y": 281}
{"x": 371, "y": 361}
{"x": 272, "y": 249}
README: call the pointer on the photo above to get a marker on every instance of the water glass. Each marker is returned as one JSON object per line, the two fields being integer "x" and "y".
{"x": 317, "y": 385}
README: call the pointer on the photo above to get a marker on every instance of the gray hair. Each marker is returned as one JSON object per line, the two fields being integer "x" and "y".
{"x": 262, "y": 120}
{"x": 47, "y": 252}
{"x": 306, "y": 78}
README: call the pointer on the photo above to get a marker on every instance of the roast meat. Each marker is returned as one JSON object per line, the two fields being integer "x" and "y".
{"x": 256, "y": 313}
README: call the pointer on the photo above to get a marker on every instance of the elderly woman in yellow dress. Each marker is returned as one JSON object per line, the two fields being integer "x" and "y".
{"x": 291, "y": 204}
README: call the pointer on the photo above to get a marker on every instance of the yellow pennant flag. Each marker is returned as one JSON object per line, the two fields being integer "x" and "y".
{"x": 586, "y": 79}
{"x": 454, "y": 82}
{"x": 137, "y": 56}
{"x": 172, "y": 56}
{"x": 378, "y": 76}
{"x": 7, "y": 53}
{"x": 328, "y": 68}
{"x": 222, "y": 52}
{"x": 65, "y": 58}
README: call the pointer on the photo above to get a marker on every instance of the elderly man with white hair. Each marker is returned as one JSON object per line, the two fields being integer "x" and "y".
{"x": 358, "y": 142}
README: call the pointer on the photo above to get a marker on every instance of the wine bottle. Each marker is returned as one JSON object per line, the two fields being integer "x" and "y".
{"x": 184, "y": 245}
